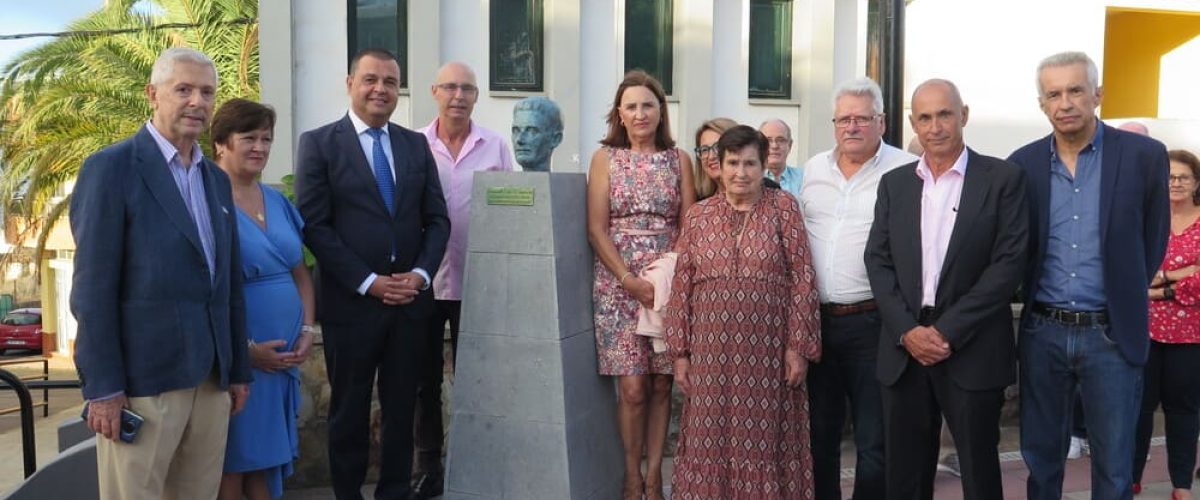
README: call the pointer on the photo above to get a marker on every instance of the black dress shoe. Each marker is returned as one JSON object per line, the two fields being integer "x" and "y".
{"x": 426, "y": 486}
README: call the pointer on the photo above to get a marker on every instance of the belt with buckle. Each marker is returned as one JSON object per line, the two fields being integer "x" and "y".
{"x": 1071, "y": 318}
{"x": 832, "y": 309}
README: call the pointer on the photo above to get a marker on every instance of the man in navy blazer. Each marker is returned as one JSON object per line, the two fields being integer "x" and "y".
{"x": 157, "y": 294}
{"x": 376, "y": 220}
{"x": 1099, "y": 222}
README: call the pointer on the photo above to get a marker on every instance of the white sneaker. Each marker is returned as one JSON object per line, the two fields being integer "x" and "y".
{"x": 949, "y": 465}
{"x": 1076, "y": 449}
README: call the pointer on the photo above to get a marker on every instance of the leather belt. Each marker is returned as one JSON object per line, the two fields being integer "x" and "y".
{"x": 832, "y": 309}
{"x": 1071, "y": 318}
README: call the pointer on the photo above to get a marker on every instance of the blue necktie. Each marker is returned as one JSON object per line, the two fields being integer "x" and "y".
{"x": 383, "y": 171}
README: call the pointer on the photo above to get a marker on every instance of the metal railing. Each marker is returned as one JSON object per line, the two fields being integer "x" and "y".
{"x": 12, "y": 381}
{"x": 27, "y": 444}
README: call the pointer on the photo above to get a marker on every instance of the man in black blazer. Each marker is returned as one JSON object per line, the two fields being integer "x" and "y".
{"x": 376, "y": 220}
{"x": 945, "y": 255}
{"x": 1100, "y": 219}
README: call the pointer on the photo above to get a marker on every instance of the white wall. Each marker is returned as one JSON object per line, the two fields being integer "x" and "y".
{"x": 969, "y": 42}
{"x": 972, "y": 43}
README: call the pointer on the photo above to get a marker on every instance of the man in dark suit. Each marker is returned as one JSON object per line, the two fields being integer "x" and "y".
{"x": 1099, "y": 215}
{"x": 376, "y": 220}
{"x": 157, "y": 294}
{"x": 945, "y": 255}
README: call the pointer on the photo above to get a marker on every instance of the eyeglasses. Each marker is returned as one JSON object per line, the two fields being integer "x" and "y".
{"x": 1182, "y": 179}
{"x": 453, "y": 88}
{"x": 857, "y": 121}
{"x": 778, "y": 141}
{"x": 703, "y": 150}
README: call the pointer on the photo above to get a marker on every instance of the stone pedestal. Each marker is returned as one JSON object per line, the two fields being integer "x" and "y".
{"x": 530, "y": 417}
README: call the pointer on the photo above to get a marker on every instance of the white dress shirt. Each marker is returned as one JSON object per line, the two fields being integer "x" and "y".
{"x": 838, "y": 213}
{"x": 368, "y": 146}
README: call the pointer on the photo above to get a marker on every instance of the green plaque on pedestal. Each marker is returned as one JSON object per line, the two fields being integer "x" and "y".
{"x": 510, "y": 195}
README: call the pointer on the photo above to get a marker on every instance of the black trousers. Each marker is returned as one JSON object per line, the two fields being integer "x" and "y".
{"x": 1172, "y": 379}
{"x": 913, "y": 408}
{"x": 387, "y": 344}
{"x": 427, "y": 423}
{"x": 849, "y": 347}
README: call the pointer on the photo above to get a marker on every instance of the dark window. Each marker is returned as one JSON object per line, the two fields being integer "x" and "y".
{"x": 379, "y": 24}
{"x": 771, "y": 49}
{"x": 515, "y": 36}
{"x": 649, "y": 42}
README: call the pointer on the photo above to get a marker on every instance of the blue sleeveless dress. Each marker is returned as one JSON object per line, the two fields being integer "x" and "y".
{"x": 263, "y": 435}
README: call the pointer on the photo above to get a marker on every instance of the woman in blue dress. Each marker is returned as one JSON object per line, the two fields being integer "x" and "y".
{"x": 278, "y": 291}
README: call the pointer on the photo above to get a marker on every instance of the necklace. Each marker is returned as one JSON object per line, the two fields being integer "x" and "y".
{"x": 260, "y": 217}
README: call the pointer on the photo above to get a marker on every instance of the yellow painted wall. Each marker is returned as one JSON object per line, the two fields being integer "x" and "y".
{"x": 1134, "y": 42}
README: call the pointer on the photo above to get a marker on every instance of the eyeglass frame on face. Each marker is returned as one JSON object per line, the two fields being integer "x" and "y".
{"x": 703, "y": 150}
{"x": 453, "y": 88}
{"x": 857, "y": 121}
{"x": 1181, "y": 179}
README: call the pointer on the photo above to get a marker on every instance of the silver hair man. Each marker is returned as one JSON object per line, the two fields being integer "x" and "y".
{"x": 164, "y": 66}
{"x": 862, "y": 87}
{"x": 1067, "y": 59}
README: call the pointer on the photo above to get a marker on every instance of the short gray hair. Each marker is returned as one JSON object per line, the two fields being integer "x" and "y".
{"x": 861, "y": 87}
{"x": 165, "y": 64}
{"x": 543, "y": 106}
{"x": 1068, "y": 59}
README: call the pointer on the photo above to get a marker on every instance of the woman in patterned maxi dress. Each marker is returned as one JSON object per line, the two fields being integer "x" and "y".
{"x": 742, "y": 325}
{"x": 638, "y": 185}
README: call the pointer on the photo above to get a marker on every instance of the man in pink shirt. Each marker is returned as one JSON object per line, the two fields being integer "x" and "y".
{"x": 946, "y": 252}
{"x": 461, "y": 147}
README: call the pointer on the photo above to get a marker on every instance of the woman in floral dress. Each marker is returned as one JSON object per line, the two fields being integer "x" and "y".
{"x": 638, "y": 185}
{"x": 742, "y": 326}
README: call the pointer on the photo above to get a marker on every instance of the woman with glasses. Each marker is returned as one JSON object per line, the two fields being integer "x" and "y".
{"x": 639, "y": 185}
{"x": 708, "y": 171}
{"x": 1171, "y": 377}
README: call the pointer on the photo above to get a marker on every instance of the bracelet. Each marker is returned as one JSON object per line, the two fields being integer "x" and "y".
{"x": 623, "y": 276}
{"x": 1169, "y": 292}
{"x": 308, "y": 329}
{"x": 1162, "y": 273}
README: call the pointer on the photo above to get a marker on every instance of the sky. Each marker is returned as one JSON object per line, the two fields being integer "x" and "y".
{"x": 22, "y": 16}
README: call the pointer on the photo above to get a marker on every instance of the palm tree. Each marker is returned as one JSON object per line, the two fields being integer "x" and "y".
{"x": 70, "y": 97}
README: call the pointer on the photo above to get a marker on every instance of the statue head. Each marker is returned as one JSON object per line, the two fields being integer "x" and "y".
{"x": 536, "y": 130}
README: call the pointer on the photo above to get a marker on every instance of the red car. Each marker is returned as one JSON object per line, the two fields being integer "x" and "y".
{"x": 21, "y": 329}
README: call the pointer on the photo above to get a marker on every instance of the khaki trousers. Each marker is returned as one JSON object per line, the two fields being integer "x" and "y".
{"x": 179, "y": 451}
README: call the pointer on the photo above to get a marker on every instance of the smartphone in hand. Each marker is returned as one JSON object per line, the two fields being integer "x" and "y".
{"x": 131, "y": 423}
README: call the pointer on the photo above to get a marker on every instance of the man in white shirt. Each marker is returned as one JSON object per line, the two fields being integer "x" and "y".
{"x": 838, "y": 202}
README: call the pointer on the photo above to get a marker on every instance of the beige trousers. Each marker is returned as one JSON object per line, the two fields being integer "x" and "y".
{"x": 179, "y": 452}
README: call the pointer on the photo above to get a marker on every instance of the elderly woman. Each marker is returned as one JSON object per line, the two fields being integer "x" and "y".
{"x": 708, "y": 171}
{"x": 742, "y": 326}
{"x": 279, "y": 306}
{"x": 1171, "y": 377}
{"x": 639, "y": 184}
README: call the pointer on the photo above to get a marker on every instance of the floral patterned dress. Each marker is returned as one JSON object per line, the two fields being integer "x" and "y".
{"x": 1178, "y": 321}
{"x": 743, "y": 293}
{"x": 643, "y": 222}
